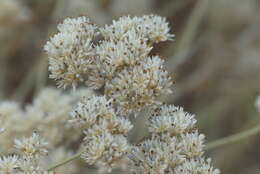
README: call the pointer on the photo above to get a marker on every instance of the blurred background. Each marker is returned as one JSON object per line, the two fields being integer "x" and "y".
{"x": 214, "y": 60}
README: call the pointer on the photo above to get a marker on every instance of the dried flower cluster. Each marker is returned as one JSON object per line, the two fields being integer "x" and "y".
{"x": 28, "y": 160}
{"x": 105, "y": 142}
{"x": 120, "y": 63}
{"x": 175, "y": 145}
{"x": 48, "y": 114}
{"x": 71, "y": 52}
{"x": 130, "y": 79}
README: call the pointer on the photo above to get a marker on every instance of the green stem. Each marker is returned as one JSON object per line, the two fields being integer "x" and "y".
{"x": 233, "y": 138}
{"x": 76, "y": 156}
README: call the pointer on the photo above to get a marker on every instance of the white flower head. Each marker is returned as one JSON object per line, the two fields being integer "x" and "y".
{"x": 155, "y": 155}
{"x": 105, "y": 142}
{"x": 129, "y": 79}
{"x": 139, "y": 86}
{"x": 104, "y": 149}
{"x": 171, "y": 119}
{"x": 80, "y": 25}
{"x": 96, "y": 146}
{"x": 32, "y": 147}
{"x": 155, "y": 28}
{"x": 27, "y": 162}
{"x": 119, "y": 29}
{"x": 88, "y": 110}
{"x": 152, "y": 27}
{"x": 174, "y": 143}
{"x": 9, "y": 164}
{"x": 192, "y": 144}
{"x": 114, "y": 56}
{"x": 199, "y": 165}
{"x": 71, "y": 52}
{"x": 120, "y": 125}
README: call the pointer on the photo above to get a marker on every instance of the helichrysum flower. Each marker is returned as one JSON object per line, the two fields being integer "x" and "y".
{"x": 113, "y": 56}
{"x": 9, "y": 164}
{"x": 137, "y": 87}
{"x": 104, "y": 149}
{"x": 71, "y": 51}
{"x": 129, "y": 80}
{"x": 172, "y": 120}
{"x": 196, "y": 166}
{"x": 121, "y": 61}
{"x": 156, "y": 155}
{"x": 30, "y": 149}
{"x": 192, "y": 144}
{"x": 47, "y": 114}
{"x": 105, "y": 142}
{"x": 152, "y": 27}
{"x": 172, "y": 148}
{"x": 155, "y": 28}
{"x": 89, "y": 110}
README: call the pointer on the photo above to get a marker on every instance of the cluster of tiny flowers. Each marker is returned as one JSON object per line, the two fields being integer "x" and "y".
{"x": 120, "y": 63}
{"x": 153, "y": 28}
{"x": 27, "y": 161}
{"x": 175, "y": 145}
{"x": 105, "y": 142}
{"x": 71, "y": 51}
{"x": 129, "y": 80}
{"x": 257, "y": 104}
{"x": 48, "y": 114}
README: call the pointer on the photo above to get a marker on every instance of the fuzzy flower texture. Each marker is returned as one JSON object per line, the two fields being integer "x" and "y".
{"x": 116, "y": 61}
{"x": 27, "y": 161}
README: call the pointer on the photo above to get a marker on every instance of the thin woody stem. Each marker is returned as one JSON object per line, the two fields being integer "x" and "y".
{"x": 233, "y": 138}
{"x": 74, "y": 157}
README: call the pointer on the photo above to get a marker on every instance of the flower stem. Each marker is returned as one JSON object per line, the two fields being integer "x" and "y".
{"x": 233, "y": 138}
{"x": 77, "y": 155}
